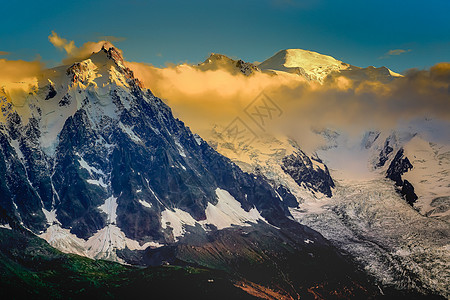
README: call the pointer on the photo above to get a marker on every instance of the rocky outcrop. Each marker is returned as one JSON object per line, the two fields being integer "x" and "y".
{"x": 222, "y": 62}
{"x": 309, "y": 172}
{"x": 400, "y": 165}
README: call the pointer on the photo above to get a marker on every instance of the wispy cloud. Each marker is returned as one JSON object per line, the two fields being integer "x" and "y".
{"x": 4, "y": 53}
{"x": 75, "y": 53}
{"x": 61, "y": 43}
{"x": 395, "y": 52}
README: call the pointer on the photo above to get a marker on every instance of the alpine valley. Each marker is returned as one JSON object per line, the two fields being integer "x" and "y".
{"x": 104, "y": 193}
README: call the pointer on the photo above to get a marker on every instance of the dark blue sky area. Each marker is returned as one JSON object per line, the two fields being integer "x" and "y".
{"x": 158, "y": 32}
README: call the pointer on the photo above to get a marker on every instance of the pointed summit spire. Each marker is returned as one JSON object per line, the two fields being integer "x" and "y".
{"x": 101, "y": 62}
{"x": 113, "y": 53}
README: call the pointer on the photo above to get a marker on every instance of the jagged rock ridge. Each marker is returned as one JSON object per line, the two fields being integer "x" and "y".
{"x": 221, "y": 62}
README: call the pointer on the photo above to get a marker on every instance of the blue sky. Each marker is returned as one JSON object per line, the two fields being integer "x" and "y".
{"x": 172, "y": 31}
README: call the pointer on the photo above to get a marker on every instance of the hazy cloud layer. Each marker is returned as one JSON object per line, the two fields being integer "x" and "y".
{"x": 18, "y": 70}
{"x": 17, "y": 77}
{"x": 203, "y": 98}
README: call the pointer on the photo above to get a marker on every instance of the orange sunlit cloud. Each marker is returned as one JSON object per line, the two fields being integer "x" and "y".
{"x": 202, "y": 98}
{"x": 207, "y": 97}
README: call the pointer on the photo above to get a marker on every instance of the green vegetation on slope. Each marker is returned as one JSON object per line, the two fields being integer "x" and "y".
{"x": 29, "y": 267}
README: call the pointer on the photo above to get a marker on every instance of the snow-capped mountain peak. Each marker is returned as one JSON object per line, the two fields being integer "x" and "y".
{"x": 107, "y": 63}
{"x": 93, "y": 84}
{"x": 319, "y": 67}
{"x": 315, "y": 65}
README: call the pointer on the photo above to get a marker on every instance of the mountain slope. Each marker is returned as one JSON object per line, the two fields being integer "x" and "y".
{"x": 29, "y": 267}
{"x": 103, "y": 160}
{"x": 394, "y": 243}
{"x": 321, "y": 68}
{"x": 418, "y": 167}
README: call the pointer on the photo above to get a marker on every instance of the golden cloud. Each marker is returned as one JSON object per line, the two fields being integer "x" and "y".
{"x": 75, "y": 53}
{"x": 18, "y": 70}
{"x": 394, "y": 52}
{"x": 17, "y": 78}
{"x": 203, "y": 98}
{"x": 397, "y": 51}
{"x": 61, "y": 43}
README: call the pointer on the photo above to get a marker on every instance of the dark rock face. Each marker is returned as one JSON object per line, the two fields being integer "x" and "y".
{"x": 384, "y": 154}
{"x": 287, "y": 196}
{"x": 399, "y": 166}
{"x": 162, "y": 161}
{"x": 246, "y": 68}
{"x": 300, "y": 167}
{"x": 51, "y": 92}
{"x": 408, "y": 192}
{"x": 65, "y": 100}
{"x": 24, "y": 184}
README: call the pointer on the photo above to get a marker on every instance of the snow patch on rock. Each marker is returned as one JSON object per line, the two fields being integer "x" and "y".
{"x": 145, "y": 203}
{"x": 129, "y": 130}
{"x": 227, "y": 212}
{"x": 102, "y": 245}
{"x": 176, "y": 219}
{"x": 5, "y": 226}
{"x": 50, "y": 216}
{"x": 110, "y": 208}
{"x": 87, "y": 167}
